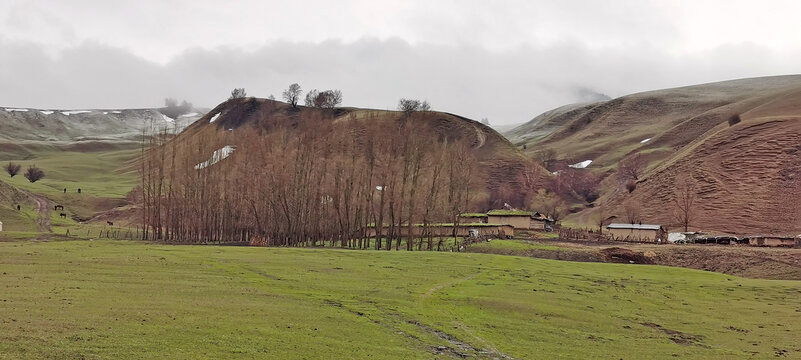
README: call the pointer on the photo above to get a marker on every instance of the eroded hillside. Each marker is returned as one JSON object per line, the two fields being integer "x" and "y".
{"x": 744, "y": 170}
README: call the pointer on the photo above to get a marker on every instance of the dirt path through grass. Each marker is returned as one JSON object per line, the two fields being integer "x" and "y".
{"x": 43, "y": 208}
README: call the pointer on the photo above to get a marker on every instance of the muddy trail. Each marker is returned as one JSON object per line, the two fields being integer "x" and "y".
{"x": 43, "y": 210}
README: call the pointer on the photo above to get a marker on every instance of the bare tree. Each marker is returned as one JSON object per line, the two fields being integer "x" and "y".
{"x": 409, "y": 106}
{"x": 684, "y": 201}
{"x": 632, "y": 211}
{"x": 327, "y": 99}
{"x": 311, "y": 97}
{"x": 600, "y": 217}
{"x": 292, "y": 94}
{"x": 547, "y": 157}
{"x": 631, "y": 169}
{"x": 237, "y": 93}
{"x": 550, "y": 204}
{"x": 34, "y": 174}
{"x": 13, "y": 169}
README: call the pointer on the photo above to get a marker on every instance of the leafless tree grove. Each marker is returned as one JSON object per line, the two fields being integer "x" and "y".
{"x": 299, "y": 179}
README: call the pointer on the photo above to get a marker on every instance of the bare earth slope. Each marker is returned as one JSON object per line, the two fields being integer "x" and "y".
{"x": 746, "y": 174}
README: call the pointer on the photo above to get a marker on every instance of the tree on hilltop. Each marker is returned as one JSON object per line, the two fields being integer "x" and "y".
{"x": 238, "y": 93}
{"x": 409, "y": 106}
{"x": 292, "y": 94}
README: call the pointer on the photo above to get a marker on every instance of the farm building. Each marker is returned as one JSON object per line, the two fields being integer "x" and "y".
{"x": 636, "y": 232}
{"x": 472, "y": 218}
{"x": 774, "y": 240}
{"x": 540, "y": 222}
{"x": 519, "y": 219}
{"x": 683, "y": 237}
{"x": 462, "y": 230}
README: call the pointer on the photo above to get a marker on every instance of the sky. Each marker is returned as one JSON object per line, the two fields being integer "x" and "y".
{"x": 506, "y": 61}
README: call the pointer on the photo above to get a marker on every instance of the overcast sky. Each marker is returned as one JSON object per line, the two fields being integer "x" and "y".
{"x": 504, "y": 60}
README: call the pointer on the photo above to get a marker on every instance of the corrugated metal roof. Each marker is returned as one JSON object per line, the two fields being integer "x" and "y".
{"x": 634, "y": 226}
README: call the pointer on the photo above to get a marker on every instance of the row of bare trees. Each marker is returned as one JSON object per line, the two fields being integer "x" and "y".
{"x": 298, "y": 179}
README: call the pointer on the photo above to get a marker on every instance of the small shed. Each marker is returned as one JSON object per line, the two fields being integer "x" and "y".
{"x": 637, "y": 232}
{"x": 774, "y": 240}
{"x": 541, "y": 222}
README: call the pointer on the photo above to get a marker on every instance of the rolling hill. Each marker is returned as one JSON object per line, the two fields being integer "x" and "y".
{"x": 89, "y": 149}
{"x": 745, "y": 173}
{"x": 232, "y": 121}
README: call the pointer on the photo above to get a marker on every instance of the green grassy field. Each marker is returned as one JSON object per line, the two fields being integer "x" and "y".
{"x": 105, "y": 178}
{"x": 99, "y": 174}
{"x": 121, "y": 299}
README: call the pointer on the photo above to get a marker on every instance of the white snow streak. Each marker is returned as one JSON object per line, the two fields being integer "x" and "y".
{"x": 46, "y": 112}
{"x": 74, "y": 112}
{"x": 214, "y": 117}
{"x": 216, "y": 157}
{"x": 645, "y": 141}
{"x": 12, "y": 110}
{"x": 189, "y": 115}
{"x": 582, "y": 164}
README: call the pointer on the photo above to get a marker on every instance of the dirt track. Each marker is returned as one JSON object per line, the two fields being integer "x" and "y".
{"x": 43, "y": 208}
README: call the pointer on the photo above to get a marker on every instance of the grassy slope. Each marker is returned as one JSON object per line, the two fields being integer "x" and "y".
{"x": 125, "y": 299}
{"x": 104, "y": 177}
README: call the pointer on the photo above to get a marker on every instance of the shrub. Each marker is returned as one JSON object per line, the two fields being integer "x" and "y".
{"x": 734, "y": 119}
{"x": 631, "y": 185}
{"x": 34, "y": 174}
{"x": 13, "y": 169}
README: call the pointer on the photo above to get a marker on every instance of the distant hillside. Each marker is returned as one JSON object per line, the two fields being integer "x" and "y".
{"x": 68, "y": 128}
{"x": 743, "y": 172}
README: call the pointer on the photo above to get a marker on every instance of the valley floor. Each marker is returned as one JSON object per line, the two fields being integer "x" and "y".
{"x": 740, "y": 260}
{"x": 125, "y": 299}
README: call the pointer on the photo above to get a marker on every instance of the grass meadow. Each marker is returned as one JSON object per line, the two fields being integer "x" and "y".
{"x": 128, "y": 299}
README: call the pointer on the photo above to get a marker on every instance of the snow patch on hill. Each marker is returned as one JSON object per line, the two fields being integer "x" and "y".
{"x": 216, "y": 156}
{"x": 581, "y": 165}
{"x": 75, "y": 112}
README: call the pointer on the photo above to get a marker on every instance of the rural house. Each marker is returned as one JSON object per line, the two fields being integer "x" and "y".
{"x": 636, "y": 232}
{"x": 774, "y": 240}
{"x": 519, "y": 219}
{"x": 472, "y": 218}
{"x": 461, "y": 230}
{"x": 540, "y": 222}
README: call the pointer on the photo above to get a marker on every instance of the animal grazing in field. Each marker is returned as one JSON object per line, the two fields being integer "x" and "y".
{"x": 19, "y": 208}
{"x": 79, "y": 190}
{"x": 63, "y": 215}
{"x": 65, "y": 190}
{"x": 58, "y": 207}
{"x": 110, "y": 223}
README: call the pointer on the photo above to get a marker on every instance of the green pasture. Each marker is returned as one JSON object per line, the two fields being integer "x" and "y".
{"x": 124, "y": 299}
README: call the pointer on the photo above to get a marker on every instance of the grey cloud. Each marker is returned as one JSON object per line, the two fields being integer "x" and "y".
{"x": 506, "y": 87}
